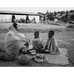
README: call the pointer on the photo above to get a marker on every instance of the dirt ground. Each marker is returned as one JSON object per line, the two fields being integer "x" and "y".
{"x": 64, "y": 36}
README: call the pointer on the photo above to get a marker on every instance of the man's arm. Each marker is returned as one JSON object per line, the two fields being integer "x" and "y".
{"x": 46, "y": 45}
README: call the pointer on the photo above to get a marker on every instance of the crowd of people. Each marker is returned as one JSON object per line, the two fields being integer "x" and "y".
{"x": 64, "y": 16}
{"x": 17, "y": 45}
{"x": 27, "y": 20}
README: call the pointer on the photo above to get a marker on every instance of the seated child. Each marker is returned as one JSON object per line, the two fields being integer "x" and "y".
{"x": 37, "y": 42}
{"x": 51, "y": 44}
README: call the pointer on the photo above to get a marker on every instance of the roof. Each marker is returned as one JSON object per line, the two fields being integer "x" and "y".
{"x": 18, "y": 13}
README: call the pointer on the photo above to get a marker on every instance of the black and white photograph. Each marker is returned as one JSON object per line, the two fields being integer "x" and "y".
{"x": 36, "y": 36}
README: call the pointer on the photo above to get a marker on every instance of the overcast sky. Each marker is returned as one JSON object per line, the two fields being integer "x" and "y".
{"x": 36, "y": 9}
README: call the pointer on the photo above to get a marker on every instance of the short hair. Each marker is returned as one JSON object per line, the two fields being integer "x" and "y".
{"x": 36, "y": 32}
{"x": 52, "y": 32}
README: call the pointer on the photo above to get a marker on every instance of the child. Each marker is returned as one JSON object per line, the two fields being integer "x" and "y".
{"x": 51, "y": 44}
{"x": 37, "y": 42}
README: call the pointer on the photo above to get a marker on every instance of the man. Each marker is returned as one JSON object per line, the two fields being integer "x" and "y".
{"x": 51, "y": 44}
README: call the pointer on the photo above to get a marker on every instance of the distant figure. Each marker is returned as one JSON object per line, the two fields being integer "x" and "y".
{"x": 56, "y": 20}
{"x": 34, "y": 20}
{"x": 13, "y": 18}
{"x": 14, "y": 42}
{"x": 51, "y": 44}
{"x": 27, "y": 19}
{"x": 37, "y": 42}
{"x": 40, "y": 19}
{"x": 44, "y": 19}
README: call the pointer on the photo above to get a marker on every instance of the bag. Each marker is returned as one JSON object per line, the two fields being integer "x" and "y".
{"x": 40, "y": 58}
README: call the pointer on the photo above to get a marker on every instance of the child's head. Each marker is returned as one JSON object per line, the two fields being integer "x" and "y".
{"x": 36, "y": 34}
{"x": 51, "y": 33}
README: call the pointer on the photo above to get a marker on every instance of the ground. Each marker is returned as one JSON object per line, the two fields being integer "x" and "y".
{"x": 65, "y": 37}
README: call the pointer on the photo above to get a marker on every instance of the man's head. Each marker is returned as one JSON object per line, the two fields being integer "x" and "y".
{"x": 36, "y": 34}
{"x": 51, "y": 33}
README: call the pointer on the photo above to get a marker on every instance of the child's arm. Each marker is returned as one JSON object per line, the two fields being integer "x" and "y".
{"x": 46, "y": 44}
{"x": 45, "y": 47}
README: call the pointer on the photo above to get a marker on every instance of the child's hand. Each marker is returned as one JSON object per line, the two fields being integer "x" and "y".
{"x": 43, "y": 48}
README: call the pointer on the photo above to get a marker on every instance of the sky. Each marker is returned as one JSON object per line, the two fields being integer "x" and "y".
{"x": 36, "y": 9}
